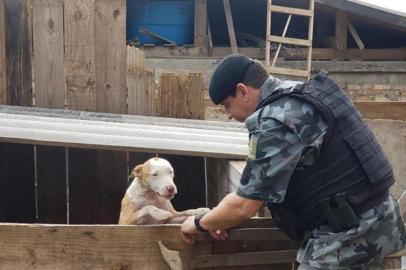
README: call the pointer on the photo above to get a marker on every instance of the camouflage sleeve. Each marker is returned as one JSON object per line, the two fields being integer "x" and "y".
{"x": 275, "y": 150}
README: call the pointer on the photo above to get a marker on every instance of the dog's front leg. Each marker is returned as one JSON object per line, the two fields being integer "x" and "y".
{"x": 151, "y": 214}
{"x": 199, "y": 212}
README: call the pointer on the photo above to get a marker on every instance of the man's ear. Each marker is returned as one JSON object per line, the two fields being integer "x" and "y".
{"x": 136, "y": 172}
{"x": 242, "y": 91}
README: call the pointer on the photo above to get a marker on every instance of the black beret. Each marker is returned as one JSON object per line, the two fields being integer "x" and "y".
{"x": 230, "y": 71}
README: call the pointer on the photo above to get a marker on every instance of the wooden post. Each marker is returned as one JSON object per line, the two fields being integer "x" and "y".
{"x": 110, "y": 20}
{"x": 230, "y": 26}
{"x": 201, "y": 38}
{"x": 341, "y": 30}
{"x": 3, "y": 62}
{"x": 80, "y": 55}
{"x": 18, "y": 160}
{"x": 111, "y": 96}
{"x": 140, "y": 84}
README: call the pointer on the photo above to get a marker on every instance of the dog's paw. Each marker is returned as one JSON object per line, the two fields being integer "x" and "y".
{"x": 198, "y": 212}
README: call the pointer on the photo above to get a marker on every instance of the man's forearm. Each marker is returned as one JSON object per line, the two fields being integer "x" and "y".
{"x": 231, "y": 211}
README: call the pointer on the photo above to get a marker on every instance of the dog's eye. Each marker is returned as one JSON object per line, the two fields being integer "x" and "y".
{"x": 155, "y": 174}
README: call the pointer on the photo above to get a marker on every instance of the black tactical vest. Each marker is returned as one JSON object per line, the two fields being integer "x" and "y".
{"x": 351, "y": 161}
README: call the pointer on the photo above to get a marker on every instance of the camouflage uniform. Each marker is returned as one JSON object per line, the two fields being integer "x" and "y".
{"x": 286, "y": 135}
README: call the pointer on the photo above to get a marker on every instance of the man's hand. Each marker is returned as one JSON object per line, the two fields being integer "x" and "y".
{"x": 188, "y": 230}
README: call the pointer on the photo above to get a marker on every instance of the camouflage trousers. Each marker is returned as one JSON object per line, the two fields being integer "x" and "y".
{"x": 380, "y": 232}
{"x": 374, "y": 266}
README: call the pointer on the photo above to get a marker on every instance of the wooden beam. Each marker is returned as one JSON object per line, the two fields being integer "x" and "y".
{"x": 292, "y": 11}
{"x": 288, "y": 71}
{"x": 355, "y": 35}
{"x": 3, "y": 62}
{"x": 230, "y": 26}
{"x": 292, "y": 41}
{"x": 241, "y": 259}
{"x": 341, "y": 30}
{"x": 51, "y": 247}
{"x": 201, "y": 37}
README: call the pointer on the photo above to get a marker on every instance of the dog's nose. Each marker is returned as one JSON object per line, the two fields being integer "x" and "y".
{"x": 170, "y": 189}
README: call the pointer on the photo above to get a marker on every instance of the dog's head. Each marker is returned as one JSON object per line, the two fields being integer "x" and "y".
{"x": 157, "y": 174}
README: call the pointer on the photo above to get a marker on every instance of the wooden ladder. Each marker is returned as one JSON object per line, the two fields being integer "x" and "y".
{"x": 285, "y": 40}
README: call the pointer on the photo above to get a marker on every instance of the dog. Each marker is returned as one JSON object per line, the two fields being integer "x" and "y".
{"x": 148, "y": 198}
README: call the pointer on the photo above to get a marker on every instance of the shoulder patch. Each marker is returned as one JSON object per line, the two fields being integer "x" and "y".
{"x": 253, "y": 148}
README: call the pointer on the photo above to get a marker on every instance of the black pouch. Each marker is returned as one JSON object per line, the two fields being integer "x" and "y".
{"x": 288, "y": 221}
{"x": 338, "y": 213}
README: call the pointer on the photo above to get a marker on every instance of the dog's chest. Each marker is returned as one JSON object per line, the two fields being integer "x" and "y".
{"x": 150, "y": 199}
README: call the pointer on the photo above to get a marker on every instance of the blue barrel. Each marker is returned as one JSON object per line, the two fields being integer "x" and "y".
{"x": 173, "y": 20}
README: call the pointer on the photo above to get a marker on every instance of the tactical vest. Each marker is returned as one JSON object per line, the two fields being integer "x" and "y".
{"x": 351, "y": 161}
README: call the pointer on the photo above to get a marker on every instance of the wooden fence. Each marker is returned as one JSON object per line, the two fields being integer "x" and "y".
{"x": 72, "y": 54}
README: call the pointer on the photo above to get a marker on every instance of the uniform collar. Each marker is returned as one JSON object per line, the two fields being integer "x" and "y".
{"x": 273, "y": 84}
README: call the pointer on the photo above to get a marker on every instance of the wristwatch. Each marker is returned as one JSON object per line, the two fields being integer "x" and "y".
{"x": 198, "y": 226}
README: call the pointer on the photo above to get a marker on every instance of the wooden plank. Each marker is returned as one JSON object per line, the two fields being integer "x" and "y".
{"x": 355, "y": 35}
{"x": 285, "y": 29}
{"x": 287, "y": 71}
{"x": 3, "y": 61}
{"x": 181, "y": 95}
{"x": 200, "y": 30}
{"x": 341, "y": 30}
{"x": 290, "y": 10}
{"x": 396, "y": 54}
{"x": 250, "y": 234}
{"x": 292, "y": 41}
{"x": 111, "y": 185}
{"x": 89, "y": 247}
{"x": 18, "y": 53}
{"x": 49, "y": 70}
{"x": 240, "y": 259}
{"x": 110, "y": 19}
{"x": 394, "y": 110}
{"x": 140, "y": 84}
{"x": 20, "y": 184}
{"x": 80, "y": 54}
{"x": 51, "y": 172}
{"x": 230, "y": 26}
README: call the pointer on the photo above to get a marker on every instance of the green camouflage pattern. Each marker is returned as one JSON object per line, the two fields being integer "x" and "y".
{"x": 381, "y": 232}
{"x": 287, "y": 135}
{"x": 283, "y": 136}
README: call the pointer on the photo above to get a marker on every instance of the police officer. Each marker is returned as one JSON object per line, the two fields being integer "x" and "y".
{"x": 315, "y": 164}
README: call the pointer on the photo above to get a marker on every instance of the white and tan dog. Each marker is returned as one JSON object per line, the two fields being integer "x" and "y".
{"x": 147, "y": 199}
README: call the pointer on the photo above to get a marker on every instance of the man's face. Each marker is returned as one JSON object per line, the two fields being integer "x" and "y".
{"x": 236, "y": 107}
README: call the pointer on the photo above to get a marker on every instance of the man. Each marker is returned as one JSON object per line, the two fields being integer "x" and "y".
{"x": 315, "y": 164}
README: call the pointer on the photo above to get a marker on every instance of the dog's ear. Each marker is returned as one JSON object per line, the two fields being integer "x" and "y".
{"x": 136, "y": 172}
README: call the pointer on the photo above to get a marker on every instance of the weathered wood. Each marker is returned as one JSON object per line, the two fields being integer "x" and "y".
{"x": 181, "y": 95}
{"x": 19, "y": 183}
{"x": 89, "y": 247}
{"x": 83, "y": 186}
{"x": 240, "y": 259}
{"x": 230, "y": 26}
{"x": 80, "y": 54}
{"x": 250, "y": 234}
{"x": 51, "y": 190}
{"x": 293, "y": 11}
{"x": 49, "y": 70}
{"x": 3, "y": 61}
{"x": 393, "y": 110}
{"x": 140, "y": 84}
{"x": 396, "y": 54}
{"x": 355, "y": 35}
{"x": 18, "y": 53}
{"x": 111, "y": 92}
{"x": 288, "y": 71}
{"x": 292, "y": 41}
{"x": 201, "y": 38}
{"x": 341, "y": 30}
